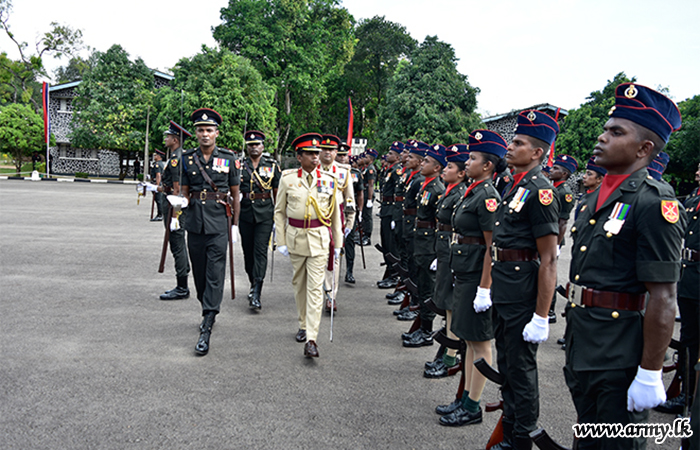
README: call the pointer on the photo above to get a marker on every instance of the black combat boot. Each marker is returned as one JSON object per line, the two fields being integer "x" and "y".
{"x": 202, "y": 347}
{"x": 254, "y": 300}
{"x": 522, "y": 443}
{"x": 507, "y": 442}
{"x": 179, "y": 293}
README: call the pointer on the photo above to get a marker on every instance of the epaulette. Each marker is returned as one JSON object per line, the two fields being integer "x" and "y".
{"x": 344, "y": 166}
{"x": 289, "y": 171}
{"x": 661, "y": 186}
{"x": 230, "y": 152}
{"x": 188, "y": 152}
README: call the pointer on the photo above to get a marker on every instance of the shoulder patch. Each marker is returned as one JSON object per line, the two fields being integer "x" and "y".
{"x": 173, "y": 162}
{"x": 569, "y": 198}
{"x": 669, "y": 209}
{"x": 491, "y": 204}
{"x": 546, "y": 196}
{"x": 238, "y": 164}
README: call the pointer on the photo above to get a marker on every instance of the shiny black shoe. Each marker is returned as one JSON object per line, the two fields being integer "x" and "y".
{"x": 440, "y": 370}
{"x": 461, "y": 416}
{"x": 388, "y": 283}
{"x": 392, "y": 295}
{"x": 396, "y": 312}
{"x": 407, "y": 316}
{"x": 301, "y": 336}
{"x": 202, "y": 347}
{"x": 349, "y": 278}
{"x": 179, "y": 293}
{"x": 397, "y": 300}
{"x": 157, "y": 219}
{"x": 561, "y": 341}
{"x": 552, "y": 317}
{"x": 420, "y": 340}
{"x": 449, "y": 409}
{"x": 254, "y": 299}
{"x": 672, "y": 405}
{"x": 408, "y": 336}
{"x": 366, "y": 241}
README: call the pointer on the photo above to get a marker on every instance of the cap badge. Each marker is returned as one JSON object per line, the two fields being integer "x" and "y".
{"x": 631, "y": 91}
{"x": 563, "y": 158}
{"x": 415, "y": 144}
{"x": 531, "y": 116}
{"x": 204, "y": 117}
{"x": 478, "y": 136}
{"x": 252, "y": 136}
{"x": 314, "y": 142}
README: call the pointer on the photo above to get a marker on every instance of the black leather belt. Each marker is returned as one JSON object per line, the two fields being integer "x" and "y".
{"x": 425, "y": 224}
{"x": 459, "y": 239}
{"x": 690, "y": 254}
{"x": 581, "y": 295}
{"x": 508, "y": 254}
{"x": 256, "y": 195}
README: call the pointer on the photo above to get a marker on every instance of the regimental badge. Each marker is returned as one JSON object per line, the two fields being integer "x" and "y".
{"x": 669, "y": 209}
{"x": 491, "y": 204}
{"x": 204, "y": 117}
{"x": 173, "y": 162}
{"x": 314, "y": 142}
{"x": 531, "y": 116}
{"x": 478, "y": 136}
{"x": 631, "y": 91}
{"x": 569, "y": 198}
{"x": 546, "y": 196}
{"x": 399, "y": 172}
{"x": 252, "y": 136}
{"x": 238, "y": 164}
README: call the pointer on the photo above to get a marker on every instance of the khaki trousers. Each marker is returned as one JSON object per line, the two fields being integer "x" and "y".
{"x": 308, "y": 291}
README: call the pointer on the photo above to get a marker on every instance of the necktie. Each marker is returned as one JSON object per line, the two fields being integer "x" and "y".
{"x": 310, "y": 179}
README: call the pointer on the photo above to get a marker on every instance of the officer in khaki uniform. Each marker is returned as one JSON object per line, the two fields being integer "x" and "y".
{"x": 346, "y": 201}
{"x": 260, "y": 177}
{"x": 626, "y": 260}
{"x": 307, "y": 217}
{"x": 174, "y": 137}
{"x": 524, "y": 274}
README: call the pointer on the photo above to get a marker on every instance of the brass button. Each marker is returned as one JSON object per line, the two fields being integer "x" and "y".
{"x": 690, "y": 232}
{"x": 608, "y": 234}
{"x": 459, "y": 252}
{"x": 592, "y": 221}
{"x": 573, "y": 229}
{"x": 497, "y": 223}
{"x": 615, "y": 314}
{"x": 573, "y": 305}
{"x": 695, "y": 217}
{"x": 511, "y": 212}
{"x": 684, "y": 266}
{"x": 576, "y": 277}
{"x": 517, "y": 268}
{"x": 584, "y": 248}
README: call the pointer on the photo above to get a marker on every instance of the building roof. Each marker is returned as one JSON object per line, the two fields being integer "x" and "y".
{"x": 73, "y": 84}
{"x": 544, "y": 107}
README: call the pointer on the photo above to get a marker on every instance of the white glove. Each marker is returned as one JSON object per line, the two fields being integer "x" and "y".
{"x": 283, "y": 249}
{"x": 359, "y": 217}
{"x": 178, "y": 202}
{"x": 347, "y": 231}
{"x": 646, "y": 391}
{"x": 369, "y": 203}
{"x": 234, "y": 233}
{"x": 151, "y": 187}
{"x": 558, "y": 251}
{"x": 537, "y": 330}
{"x": 433, "y": 265}
{"x": 336, "y": 253}
{"x": 482, "y": 300}
{"x": 174, "y": 224}
{"x": 393, "y": 224}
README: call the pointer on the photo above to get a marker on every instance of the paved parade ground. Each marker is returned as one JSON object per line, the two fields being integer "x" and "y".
{"x": 92, "y": 359}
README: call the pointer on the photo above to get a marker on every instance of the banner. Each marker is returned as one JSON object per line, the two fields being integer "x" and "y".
{"x": 47, "y": 115}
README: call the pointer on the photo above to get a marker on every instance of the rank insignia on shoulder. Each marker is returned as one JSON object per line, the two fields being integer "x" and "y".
{"x": 491, "y": 204}
{"x": 569, "y": 198}
{"x": 669, "y": 209}
{"x": 238, "y": 164}
{"x": 546, "y": 196}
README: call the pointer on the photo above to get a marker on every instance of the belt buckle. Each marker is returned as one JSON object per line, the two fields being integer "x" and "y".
{"x": 203, "y": 195}
{"x": 251, "y": 196}
{"x": 455, "y": 238}
{"x": 576, "y": 294}
{"x": 494, "y": 253}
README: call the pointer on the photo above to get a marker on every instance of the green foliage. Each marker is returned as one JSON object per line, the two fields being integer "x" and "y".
{"x": 428, "y": 99}
{"x": 111, "y": 105}
{"x": 73, "y": 71}
{"x": 684, "y": 145}
{"x": 225, "y": 82}
{"x": 581, "y": 128}
{"x": 21, "y": 132}
{"x": 298, "y": 46}
{"x": 81, "y": 174}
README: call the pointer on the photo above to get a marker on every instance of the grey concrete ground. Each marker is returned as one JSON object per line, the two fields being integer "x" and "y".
{"x": 91, "y": 359}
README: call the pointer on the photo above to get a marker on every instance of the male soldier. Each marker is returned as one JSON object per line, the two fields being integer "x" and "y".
{"x": 174, "y": 137}
{"x": 369, "y": 177}
{"x": 425, "y": 234}
{"x": 524, "y": 273}
{"x": 210, "y": 179}
{"x": 657, "y": 166}
{"x": 157, "y": 178}
{"x": 260, "y": 177}
{"x": 346, "y": 201}
{"x": 564, "y": 166}
{"x": 358, "y": 189}
{"x": 626, "y": 252}
{"x": 391, "y": 176}
{"x": 306, "y": 216}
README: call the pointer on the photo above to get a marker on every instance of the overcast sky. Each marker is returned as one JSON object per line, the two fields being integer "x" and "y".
{"x": 519, "y": 53}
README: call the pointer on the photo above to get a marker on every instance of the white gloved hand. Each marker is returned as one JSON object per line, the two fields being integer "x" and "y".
{"x": 347, "y": 231}
{"x": 174, "y": 224}
{"x": 283, "y": 249}
{"x": 482, "y": 300}
{"x": 369, "y": 203}
{"x": 151, "y": 187}
{"x": 234, "y": 233}
{"x": 433, "y": 265}
{"x": 558, "y": 251}
{"x": 537, "y": 330}
{"x": 359, "y": 217}
{"x": 393, "y": 224}
{"x": 646, "y": 391}
{"x": 336, "y": 253}
{"x": 178, "y": 202}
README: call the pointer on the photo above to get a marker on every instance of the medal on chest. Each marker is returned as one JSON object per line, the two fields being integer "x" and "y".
{"x": 617, "y": 218}
{"x": 354, "y": 178}
{"x": 325, "y": 186}
{"x": 221, "y": 165}
{"x": 519, "y": 199}
{"x": 425, "y": 198}
{"x": 265, "y": 171}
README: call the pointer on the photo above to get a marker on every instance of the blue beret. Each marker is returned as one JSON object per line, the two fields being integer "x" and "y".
{"x": 410, "y": 142}
{"x": 457, "y": 153}
{"x": 646, "y": 107}
{"x": 546, "y": 169}
{"x": 176, "y": 129}
{"x": 372, "y": 152}
{"x": 567, "y": 162}
{"x": 538, "y": 125}
{"x": 396, "y": 146}
{"x": 437, "y": 152}
{"x": 419, "y": 148}
{"x": 595, "y": 167}
{"x": 658, "y": 165}
{"x": 487, "y": 141}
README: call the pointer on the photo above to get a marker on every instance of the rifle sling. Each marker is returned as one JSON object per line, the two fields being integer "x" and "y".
{"x": 206, "y": 176}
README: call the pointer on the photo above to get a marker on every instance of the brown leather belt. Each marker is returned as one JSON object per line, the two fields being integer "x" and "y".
{"x": 398, "y": 198}
{"x": 581, "y": 295}
{"x": 459, "y": 239}
{"x": 508, "y": 254}
{"x": 301, "y": 223}
{"x": 444, "y": 227}
{"x": 167, "y": 190}
{"x": 690, "y": 255}
{"x": 208, "y": 195}
{"x": 425, "y": 224}
{"x": 387, "y": 198}
{"x": 256, "y": 195}
{"x": 410, "y": 211}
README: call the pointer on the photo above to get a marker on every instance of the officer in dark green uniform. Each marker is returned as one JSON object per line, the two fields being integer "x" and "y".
{"x": 626, "y": 252}
{"x": 342, "y": 157}
{"x": 564, "y": 166}
{"x": 260, "y": 177}
{"x": 157, "y": 167}
{"x": 210, "y": 179}
{"x": 369, "y": 176}
{"x": 591, "y": 182}
{"x": 392, "y": 173}
{"x": 524, "y": 274}
{"x": 174, "y": 137}
{"x": 425, "y": 239}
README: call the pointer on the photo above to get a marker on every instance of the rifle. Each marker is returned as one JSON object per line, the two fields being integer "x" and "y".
{"x": 492, "y": 374}
{"x": 545, "y": 441}
{"x": 332, "y": 294}
{"x": 362, "y": 247}
{"x": 153, "y": 202}
{"x": 456, "y": 344}
{"x": 166, "y": 238}
{"x": 229, "y": 218}
{"x": 273, "y": 246}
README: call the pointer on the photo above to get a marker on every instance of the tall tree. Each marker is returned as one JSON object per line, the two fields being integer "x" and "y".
{"x": 428, "y": 99}
{"x": 684, "y": 145}
{"x": 110, "y": 108}
{"x": 225, "y": 82}
{"x": 297, "y": 45}
{"x": 21, "y": 132}
{"x": 73, "y": 71}
{"x": 18, "y": 78}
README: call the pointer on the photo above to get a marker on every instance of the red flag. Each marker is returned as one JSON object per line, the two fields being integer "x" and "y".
{"x": 45, "y": 104}
{"x": 550, "y": 160}
{"x": 350, "y": 125}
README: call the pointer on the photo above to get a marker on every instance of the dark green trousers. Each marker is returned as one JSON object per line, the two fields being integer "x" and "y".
{"x": 208, "y": 258}
{"x": 178, "y": 247}
{"x": 425, "y": 280}
{"x": 255, "y": 239}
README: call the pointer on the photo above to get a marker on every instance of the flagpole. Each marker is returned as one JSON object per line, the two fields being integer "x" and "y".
{"x": 47, "y": 125}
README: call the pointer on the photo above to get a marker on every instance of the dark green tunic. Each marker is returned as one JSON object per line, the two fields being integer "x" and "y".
{"x": 410, "y": 204}
{"x": 443, "y": 275}
{"x": 178, "y": 247}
